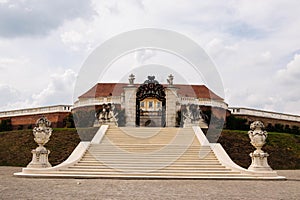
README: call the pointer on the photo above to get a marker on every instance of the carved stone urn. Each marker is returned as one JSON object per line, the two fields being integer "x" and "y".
{"x": 258, "y": 137}
{"x": 42, "y": 133}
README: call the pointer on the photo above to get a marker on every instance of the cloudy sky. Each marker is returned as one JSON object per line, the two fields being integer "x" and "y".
{"x": 255, "y": 45}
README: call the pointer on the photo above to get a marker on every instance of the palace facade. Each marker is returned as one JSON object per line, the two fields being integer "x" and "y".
{"x": 151, "y": 103}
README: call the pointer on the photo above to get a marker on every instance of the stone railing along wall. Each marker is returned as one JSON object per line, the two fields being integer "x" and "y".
{"x": 34, "y": 111}
{"x": 97, "y": 101}
{"x": 203, "y": 102}
{"x": 265, "y": 114}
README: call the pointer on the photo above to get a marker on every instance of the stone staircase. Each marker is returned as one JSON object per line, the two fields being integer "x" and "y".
{"x": 130, "y": 152}
{"x": 150, "y": 153}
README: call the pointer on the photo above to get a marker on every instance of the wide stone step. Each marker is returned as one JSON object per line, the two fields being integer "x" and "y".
{"x": 165, "y": 149}
{"x": 161, "y": 171}
{"x": 152, "y": 165}
{"x": 153, "y": 174}
{"x": 152, "y": 146}
{"x": 147, "y": 152}
{"x": 143, "y": 142}
{"x": 148, "y": 155}
{"x": 116, "y": 156}
{"x": 149, "y": 162}
{"x": 134, "y": 160}
{"x": 148, "y": 135}
{"x": 148, "y": 147}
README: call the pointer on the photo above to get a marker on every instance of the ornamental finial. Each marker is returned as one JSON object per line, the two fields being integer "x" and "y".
{"x": 131, "y": 79}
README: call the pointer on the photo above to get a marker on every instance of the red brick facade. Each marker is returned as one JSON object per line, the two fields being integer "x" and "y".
{"x": 28, "y": 121}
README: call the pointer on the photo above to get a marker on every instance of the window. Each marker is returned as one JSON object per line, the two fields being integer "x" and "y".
{"x": 150, "y": 104}
{"x": 158, "y": 104}
{"x": 142, "y": 104}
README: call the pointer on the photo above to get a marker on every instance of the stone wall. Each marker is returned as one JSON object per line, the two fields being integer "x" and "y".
{"x": 28, "y": 121}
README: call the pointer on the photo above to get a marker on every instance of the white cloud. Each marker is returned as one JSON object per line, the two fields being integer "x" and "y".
{"x": 7, "y": 62}
{"x": 291, "y": 73}
{"x": 59, "y": 90}
{"x": 143, "y": 55}
{"x": 8, "y": 93}
{"x": 279, "y": 92}
{"x": 31, "y": 18}
{"x": 71, "y": 37}
{"x": 266, "y": 55}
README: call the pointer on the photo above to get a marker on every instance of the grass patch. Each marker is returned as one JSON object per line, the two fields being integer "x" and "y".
{"x": 16, "y": 146}
{"x": 283, "y": 148}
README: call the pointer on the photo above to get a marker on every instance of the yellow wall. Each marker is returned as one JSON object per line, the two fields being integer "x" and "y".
{"x": 147, "y": 104}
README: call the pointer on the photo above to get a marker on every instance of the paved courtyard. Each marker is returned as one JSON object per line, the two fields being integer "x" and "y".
{"x": 35, "y": 188}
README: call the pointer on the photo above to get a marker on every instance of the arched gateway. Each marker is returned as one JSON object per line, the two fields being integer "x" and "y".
{"x": 151, "y": 104}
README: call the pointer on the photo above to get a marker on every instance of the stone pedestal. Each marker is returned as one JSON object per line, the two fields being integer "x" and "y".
{"x": 259, "y": 162}
{"x": 39, "y": 158}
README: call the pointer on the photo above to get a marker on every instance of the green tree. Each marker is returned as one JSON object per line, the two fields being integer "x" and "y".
{"x": 6, "y": 125}
{"x": 69, "y": 121}
{"x": 236, "y": 123}
{"x": 295, "y": 130}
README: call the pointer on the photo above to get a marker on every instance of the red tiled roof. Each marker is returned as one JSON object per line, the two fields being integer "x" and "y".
{"x": 199, "y": 91}
{"x": 115, "y": 89}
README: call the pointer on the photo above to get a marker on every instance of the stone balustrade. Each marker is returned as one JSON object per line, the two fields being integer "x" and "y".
{"x": 33, "y": 111}
{"x": 98, "y": 101}
{"x": 262, "y": 113}
{"x": 202, "y": 102}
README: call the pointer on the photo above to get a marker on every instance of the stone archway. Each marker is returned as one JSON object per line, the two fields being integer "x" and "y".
{"x": 151, "y": 89}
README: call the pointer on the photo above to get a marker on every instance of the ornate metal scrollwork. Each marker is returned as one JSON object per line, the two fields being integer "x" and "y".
{"x": 151, "y": 88}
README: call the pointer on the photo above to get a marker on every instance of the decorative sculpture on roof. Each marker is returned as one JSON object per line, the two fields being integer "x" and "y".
{"x": 131, "y": 79}
{"x": 151, "y": 79}
{"x": 170, "y": 80}
{"x": 42, "y": 133}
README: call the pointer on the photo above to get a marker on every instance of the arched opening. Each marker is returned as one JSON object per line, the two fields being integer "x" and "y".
{"x": 151, "y": 104}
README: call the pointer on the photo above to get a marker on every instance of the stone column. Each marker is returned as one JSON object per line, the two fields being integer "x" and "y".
{"x": 171, "y": 98}
{"x": 258, "y": 137}
{"x": 130, "y": 101}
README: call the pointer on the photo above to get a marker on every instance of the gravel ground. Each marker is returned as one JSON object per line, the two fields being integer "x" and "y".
{"x": 36, "y": 188}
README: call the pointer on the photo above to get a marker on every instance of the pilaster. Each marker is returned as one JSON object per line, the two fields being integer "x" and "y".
{"x": 171, "y": 98}
{"x": 130, "y": 101}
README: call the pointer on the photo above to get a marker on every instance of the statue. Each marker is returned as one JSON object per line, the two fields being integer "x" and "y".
{"x": 187, "y": 117}
{"x": 113, "y": 115}
{"x": 108, "y": 114}
{"x": 258, "y": 137}
{"x": 42, "y": 133}
{"x": 192, "y": 115}
{"x": 170, "y": 80}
